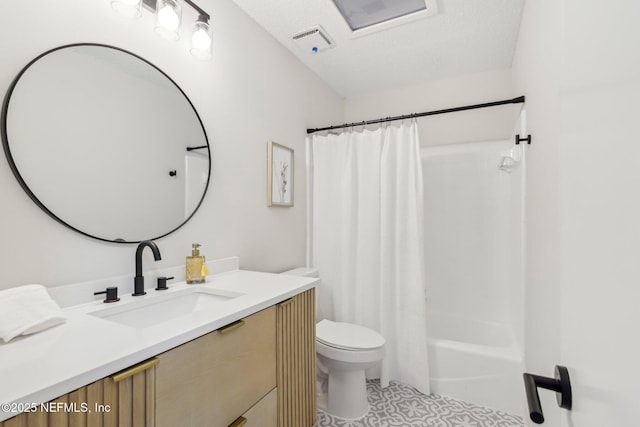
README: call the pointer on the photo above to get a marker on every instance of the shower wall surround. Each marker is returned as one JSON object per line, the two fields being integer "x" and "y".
{"x": 253, "y": 90}
{"x": 474, "y": 267}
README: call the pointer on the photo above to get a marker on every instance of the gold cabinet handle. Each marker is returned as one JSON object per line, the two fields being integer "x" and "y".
{"x": 239, "y": 422}
{"x": 140, "y": 367}
{"x": 231, "y": 326}
{"x": 286, "y": 302}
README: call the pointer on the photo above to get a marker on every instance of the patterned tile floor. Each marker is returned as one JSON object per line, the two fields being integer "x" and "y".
{"x": 400, "y": 405}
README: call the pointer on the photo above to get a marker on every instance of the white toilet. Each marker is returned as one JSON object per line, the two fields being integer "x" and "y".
{"x": 344, "y": 351}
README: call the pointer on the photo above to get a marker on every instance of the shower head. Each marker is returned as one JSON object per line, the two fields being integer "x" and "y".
{"x": 507, "y": 164}
{"x": 510, "y": 159}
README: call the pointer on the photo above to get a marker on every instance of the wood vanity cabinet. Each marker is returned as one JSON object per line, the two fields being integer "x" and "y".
{"x": 229, "y": 377}
{"x": 296, "y": 358}
{"x": 214, "y": 379}
{"x": 124, "y": 399}
{"x": 256, "y": 372}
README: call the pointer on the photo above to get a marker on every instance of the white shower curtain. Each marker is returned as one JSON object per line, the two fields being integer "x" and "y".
{"x": 367, "y": 241}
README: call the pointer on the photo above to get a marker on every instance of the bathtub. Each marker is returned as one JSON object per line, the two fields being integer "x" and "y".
{"x": 476, "y": 362}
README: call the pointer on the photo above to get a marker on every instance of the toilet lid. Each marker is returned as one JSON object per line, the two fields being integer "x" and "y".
{"x": 347, "y": 336}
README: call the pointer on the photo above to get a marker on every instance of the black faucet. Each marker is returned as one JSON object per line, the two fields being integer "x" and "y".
{"x": 138, "y": 281}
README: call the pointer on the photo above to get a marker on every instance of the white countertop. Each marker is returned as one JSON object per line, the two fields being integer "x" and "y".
{"x": 84, "y": 349}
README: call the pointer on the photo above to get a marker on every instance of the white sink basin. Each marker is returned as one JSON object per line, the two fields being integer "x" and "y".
{"x": 153, "y": 310}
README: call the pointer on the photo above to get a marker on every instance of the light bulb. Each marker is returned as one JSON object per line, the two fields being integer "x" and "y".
{"x": 128, "y": 8}
{"x": 200, "y": 39}
{"x": 168, "y": 19}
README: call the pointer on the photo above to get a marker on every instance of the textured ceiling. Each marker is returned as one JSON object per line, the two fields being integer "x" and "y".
{"x": 465, "y": 37}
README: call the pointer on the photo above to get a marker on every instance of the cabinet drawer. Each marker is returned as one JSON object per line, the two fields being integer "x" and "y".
{"x": 262, "y": 414}
{"x": 211, "y": 380}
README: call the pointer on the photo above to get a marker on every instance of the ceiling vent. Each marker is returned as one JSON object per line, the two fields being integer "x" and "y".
{"x": 313, "y": 40}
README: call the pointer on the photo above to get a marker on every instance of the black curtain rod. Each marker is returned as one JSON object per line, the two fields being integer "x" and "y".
{"x": 517, "y": 100}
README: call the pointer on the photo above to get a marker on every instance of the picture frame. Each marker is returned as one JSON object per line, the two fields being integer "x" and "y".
{"x": 279, "y": 175}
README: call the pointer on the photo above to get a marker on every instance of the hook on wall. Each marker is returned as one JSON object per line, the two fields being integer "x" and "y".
{"x": 200, "y": 147}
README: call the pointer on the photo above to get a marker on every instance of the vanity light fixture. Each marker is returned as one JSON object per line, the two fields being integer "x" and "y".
{"x": 201, "y": 39}
{"x": 168, "y": 20}
{"x": 168, "y": 17}
{"x": 128, "y": 8}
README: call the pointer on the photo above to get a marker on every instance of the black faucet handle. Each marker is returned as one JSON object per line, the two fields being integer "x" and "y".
{"x": 111, "y": 292}
{"x": 162, "y": 283}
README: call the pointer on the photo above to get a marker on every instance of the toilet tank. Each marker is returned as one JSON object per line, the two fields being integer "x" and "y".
{"x": 303, "y": 271}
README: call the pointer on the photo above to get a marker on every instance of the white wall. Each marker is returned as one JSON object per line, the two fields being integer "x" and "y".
{"x": 577, "y": 62}
{"x": 252, "y": 91}
{"x": 476, "y": 125}
{"x": 536, "y": 67}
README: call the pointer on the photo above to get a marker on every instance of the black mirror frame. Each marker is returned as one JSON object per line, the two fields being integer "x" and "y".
{"x": 23, "y": 184}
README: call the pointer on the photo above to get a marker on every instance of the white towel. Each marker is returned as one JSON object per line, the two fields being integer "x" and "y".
{"x": 26, "y": 310}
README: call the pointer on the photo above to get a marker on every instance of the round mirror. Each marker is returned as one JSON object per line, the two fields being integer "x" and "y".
{"x": 106, "y": 143}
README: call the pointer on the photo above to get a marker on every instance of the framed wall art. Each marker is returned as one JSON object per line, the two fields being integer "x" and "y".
{"x": 279, "y": 175}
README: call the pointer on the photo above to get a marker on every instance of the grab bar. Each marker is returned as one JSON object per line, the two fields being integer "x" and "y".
{"x": 560, "y": 384}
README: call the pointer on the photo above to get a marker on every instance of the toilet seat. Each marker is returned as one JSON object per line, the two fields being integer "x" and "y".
{"x": 347, "y": 336}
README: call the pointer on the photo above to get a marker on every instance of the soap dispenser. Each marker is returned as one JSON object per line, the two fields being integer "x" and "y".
{"x": 196, "y": 267}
